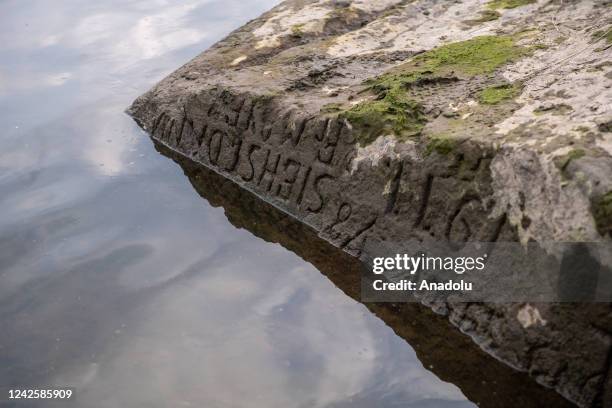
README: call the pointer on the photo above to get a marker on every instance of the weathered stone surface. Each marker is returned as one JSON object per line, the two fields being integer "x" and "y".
{"x": 389, "y": 120}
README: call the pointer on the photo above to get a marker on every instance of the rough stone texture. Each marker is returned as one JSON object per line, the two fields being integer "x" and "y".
{"x": 369, "y": 121}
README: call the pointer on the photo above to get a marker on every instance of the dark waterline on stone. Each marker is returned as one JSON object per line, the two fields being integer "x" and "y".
{"x": 117, "y": 279}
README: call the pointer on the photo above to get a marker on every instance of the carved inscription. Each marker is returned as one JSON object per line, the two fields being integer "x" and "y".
{"x": 246, "y": 138}
{"x": 297, "y": 160}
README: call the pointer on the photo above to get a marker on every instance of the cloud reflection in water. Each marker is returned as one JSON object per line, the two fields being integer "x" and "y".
{"x": 116, "y": 278}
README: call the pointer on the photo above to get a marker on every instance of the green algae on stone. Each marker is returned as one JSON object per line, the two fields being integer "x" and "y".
{"x": 498, "y": 93}
{"x": 508, "y": 4}
{"x": 602, "y": 212}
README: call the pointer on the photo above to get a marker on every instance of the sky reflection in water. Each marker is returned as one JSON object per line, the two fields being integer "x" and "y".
{"x": 116, "y": 278}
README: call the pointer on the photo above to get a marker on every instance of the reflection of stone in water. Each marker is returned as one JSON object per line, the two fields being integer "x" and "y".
{"x": 445, "y": 351}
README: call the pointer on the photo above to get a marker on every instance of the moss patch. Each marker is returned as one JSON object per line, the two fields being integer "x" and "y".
{"x": 344, "y": 13}
{"x": 496, "y": 94}
{"x": 558, "y": 109}
{"x": 508, "y": 4}
{"x": 479, "y": 55}
{"x": 265, "y": 97}
{"x": 297, "y": 30}
{"x": 582, "y": 129}
{"x": 602, "y": 212}
{"x": 575, "y": 154}
{"x": 488, "y": 15}
{"x": 485, "y": 15}
{"x": 331, "y": 108}
{"x": 563, "y": 161}
{"x": 440, "y": 144}
{"x": 393, "y": 113}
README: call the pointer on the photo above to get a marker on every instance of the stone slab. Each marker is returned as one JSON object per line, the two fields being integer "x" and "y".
{"x": 391, "y": 120}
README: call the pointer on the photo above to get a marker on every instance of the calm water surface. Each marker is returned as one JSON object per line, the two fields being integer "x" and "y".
{"x": 116, "y": 278}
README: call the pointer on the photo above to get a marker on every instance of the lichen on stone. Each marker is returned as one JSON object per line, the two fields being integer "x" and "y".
{"x": 607, "y": 34}
{"x": 508, "y": 4}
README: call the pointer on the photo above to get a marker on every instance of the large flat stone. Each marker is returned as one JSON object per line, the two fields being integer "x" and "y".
{"x": 385, "y": 121}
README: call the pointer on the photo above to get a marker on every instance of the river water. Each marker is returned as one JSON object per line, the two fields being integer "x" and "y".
{"x": 119, "y": 280}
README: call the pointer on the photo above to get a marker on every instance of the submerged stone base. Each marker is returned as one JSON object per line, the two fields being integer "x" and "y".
{"x": 388, "y": 121}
